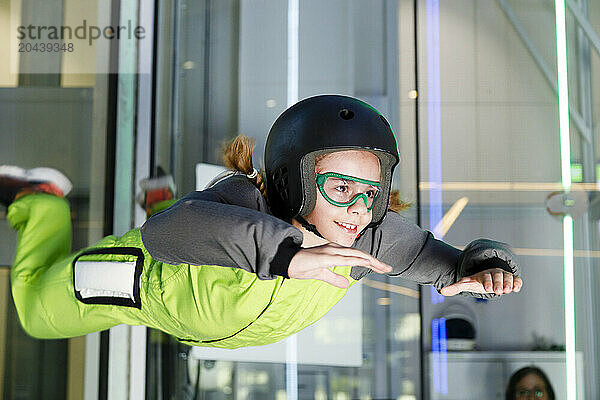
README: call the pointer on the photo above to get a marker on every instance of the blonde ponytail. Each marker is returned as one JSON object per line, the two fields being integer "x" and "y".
{"x": 237, "y": 155}
{"x": 395, "y": 203}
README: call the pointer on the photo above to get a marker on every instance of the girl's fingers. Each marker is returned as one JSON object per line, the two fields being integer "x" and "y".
{"x": 314, "y": 263}
{"x": 508, "y": 282}
{"x": 451, "y": 290}
{"x": 356, "y": 261}
{"x": 374, "y": 262}
{"x": 517, "y": 284}
{"x": 334, "y": 279}
{"x": 486, "y": 281}
{"x": 498, "y": 278}
{"x": 348, "y": 251}
{"x": 464, "y": 285}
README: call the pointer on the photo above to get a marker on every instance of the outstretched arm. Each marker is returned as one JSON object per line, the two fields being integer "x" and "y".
{"x": 416, "y": 255}
{"x": 228, "y": 225}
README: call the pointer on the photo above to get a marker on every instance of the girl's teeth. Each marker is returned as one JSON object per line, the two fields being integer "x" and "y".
{"x": 347, "y": 226}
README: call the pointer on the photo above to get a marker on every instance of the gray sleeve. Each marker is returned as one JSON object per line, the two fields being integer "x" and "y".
{"x": 226, "y": 225}
{"x": 416, "y": 255}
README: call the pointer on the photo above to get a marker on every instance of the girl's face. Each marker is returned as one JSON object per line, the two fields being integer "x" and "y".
{"x": 342, "y": 225}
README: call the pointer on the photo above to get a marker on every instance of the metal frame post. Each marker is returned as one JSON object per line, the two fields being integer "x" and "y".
{"x": 127, "y": 347}
{"x": 584, "y": 130}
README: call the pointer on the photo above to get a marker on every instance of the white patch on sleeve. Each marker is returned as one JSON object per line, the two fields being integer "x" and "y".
{"x": 105, "y": 278}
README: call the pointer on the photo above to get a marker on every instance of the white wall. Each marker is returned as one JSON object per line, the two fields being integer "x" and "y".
{"x": 499, "y": 115}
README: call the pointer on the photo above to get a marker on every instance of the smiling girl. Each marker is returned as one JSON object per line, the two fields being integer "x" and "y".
{"x": 244, "y": 262}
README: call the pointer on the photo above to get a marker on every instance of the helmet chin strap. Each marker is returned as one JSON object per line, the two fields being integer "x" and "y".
{"x": 308, "y": 226}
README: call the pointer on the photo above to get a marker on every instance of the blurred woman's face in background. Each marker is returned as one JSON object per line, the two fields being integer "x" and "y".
{"x": 531, "y": 386}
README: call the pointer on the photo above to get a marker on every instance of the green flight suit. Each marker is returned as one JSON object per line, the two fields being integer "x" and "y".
{"x": 200, "y": 305}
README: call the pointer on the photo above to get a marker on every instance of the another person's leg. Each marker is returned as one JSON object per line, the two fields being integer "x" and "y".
{"x": 158, "y": 192}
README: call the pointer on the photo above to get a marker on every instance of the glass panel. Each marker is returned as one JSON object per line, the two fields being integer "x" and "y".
{"x": 57, "y": 118}
{"x": 230, "y": 75}
{"x": 488, "y": 162}
{"x": 490, "y": 140}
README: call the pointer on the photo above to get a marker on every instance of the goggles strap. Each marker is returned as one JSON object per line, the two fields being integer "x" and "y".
{"x": 308, "y": 226}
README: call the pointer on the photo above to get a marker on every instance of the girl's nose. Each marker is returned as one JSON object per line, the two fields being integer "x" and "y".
{"x": 360, "y": 207}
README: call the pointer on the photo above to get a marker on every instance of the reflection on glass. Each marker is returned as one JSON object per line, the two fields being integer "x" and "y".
{"x": 53, "y": 118}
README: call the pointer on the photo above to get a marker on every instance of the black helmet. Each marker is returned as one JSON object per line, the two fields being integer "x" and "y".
{"x": 315, "y": 126}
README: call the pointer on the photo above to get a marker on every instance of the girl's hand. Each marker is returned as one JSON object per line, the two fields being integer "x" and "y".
{"x": 314, "y": 263}
{"x": 494, "y": 280}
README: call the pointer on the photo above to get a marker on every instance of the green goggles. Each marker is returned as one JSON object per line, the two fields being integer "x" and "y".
{"x": 343, "y": 190}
